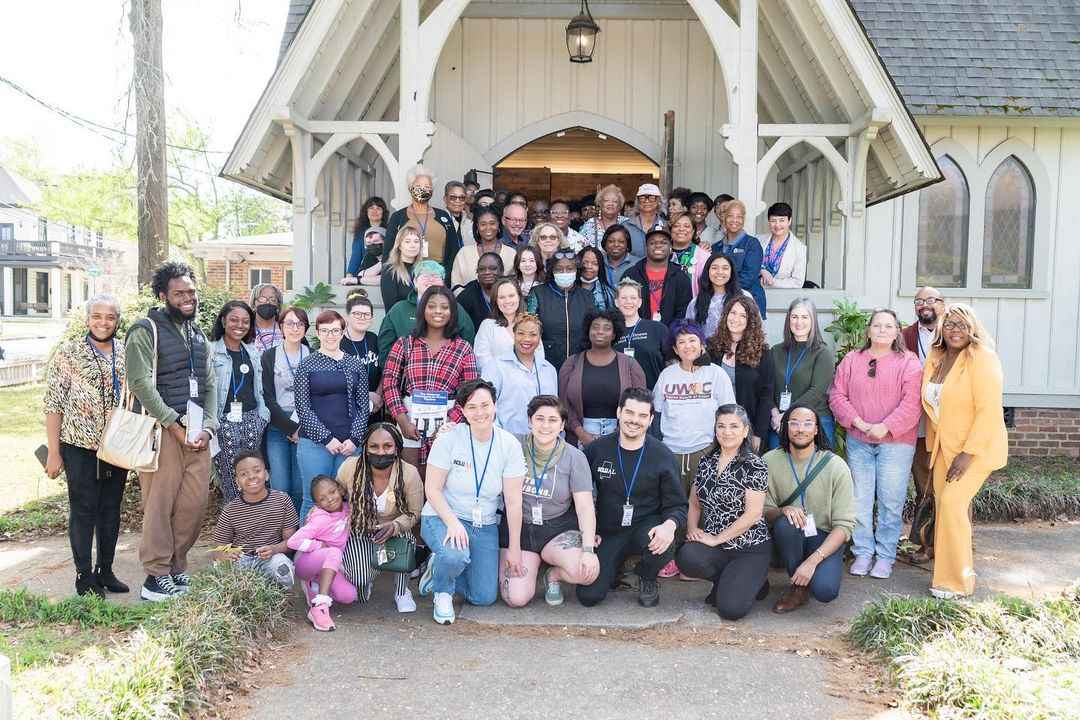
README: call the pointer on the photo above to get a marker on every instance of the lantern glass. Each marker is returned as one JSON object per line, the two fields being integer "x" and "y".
{"x": 581, "y": 36}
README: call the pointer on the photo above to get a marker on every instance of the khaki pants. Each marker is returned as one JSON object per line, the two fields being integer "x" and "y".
{"x": 954, "y": 556}
{"x": 174, "y": 502}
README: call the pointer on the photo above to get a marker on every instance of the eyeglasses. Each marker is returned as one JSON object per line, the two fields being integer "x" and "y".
{"x": 560, "y": 213}
{"x": 564, "y": 255}
{"x": 954, "y": 325}
{"x": 919, "y": 302}
{"x": 294, "y": 324}
{"x": 801, "y": 424}
{"x": 329, "y": 331}
{"x": 457, "y": 198}
{"x": 361, "y": 315}
{"x": 871, "y": 371}
{"x": 547, "y": 236}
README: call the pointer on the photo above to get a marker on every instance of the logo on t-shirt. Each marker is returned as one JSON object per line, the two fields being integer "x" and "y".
{"x": 676, "y": 392}
{"x": 606, "y": 470}
{"x": 461, "y": 463}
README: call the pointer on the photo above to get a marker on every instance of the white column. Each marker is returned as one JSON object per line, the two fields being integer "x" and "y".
{"x": 746, "y": 133}
{"x": 9, "y": 291}
{"x": 416, "y": 130}
{"x": 320, "y": 230}
{"x": 301, "y": 204}
{"x": 56, "y": 293}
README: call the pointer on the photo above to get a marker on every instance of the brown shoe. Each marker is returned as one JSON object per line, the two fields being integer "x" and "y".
{"x": 792, "y": 599}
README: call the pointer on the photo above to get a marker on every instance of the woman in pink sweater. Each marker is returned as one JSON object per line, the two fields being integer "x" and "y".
{"x": 320, "y": 543}
{"x": 875, "y": 397}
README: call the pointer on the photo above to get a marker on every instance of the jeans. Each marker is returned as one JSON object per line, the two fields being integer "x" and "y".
{"x": 278, "y": 568}
{"x": 314, "y": 459}
{"x": 95, "y": 493}
{"x": 598, "y": 426}
{"x": 827, "y": 424}
{"x": 282, "y": 458}
{"x": 879, "y": 471}
{"x": 794, "y": 547}
{"x": 472, "y": 572}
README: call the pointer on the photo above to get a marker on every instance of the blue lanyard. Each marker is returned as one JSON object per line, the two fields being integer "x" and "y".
{"x": 191, "y": 347}
{"x": 237, "y": 387}
{"x": 633, "y": 478}
{"x": 115, "y": 375}
{"x": 292, "y": 370}
{"x": 629, "y": 337}
{"x": 539, "y": 481}
{"x": 555, "y": 289}
{"x": 791, "y": 370}
{"x": 480, "y": 478}
{"x": 484, "y": 297}
{"x": 809, "y": 465}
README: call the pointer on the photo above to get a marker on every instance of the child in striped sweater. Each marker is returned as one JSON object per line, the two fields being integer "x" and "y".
{"x": 319, "y": 545}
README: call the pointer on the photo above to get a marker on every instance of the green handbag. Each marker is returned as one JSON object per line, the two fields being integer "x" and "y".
{"x": 400, "y": 555}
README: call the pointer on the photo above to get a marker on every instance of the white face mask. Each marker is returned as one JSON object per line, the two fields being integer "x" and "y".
{"x": 565, "y": 279}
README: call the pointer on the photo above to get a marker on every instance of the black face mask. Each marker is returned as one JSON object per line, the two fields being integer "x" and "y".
{"x": 266, "y": 311}
{"x": 105, "y": 339}
{"x": 380, "y": 462}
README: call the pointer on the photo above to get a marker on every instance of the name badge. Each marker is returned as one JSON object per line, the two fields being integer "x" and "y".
{"x": 193, "y": 387}
{"x": 656, "y": 317}
{"x": 809, "y": 528}
{"x": 477, "y": 516}
{"x": 294, "y": 417}
{"x": 428, "y": 411}
{"x": 627, "y": 515}
{"x": 629, "y": 351}
{"x": 380, "y": 504}
{"x": 424, "y": 248}
{"x": 785, "y": 401}
{"x": 537, "y": 515}
{"x": 236, "y": 411}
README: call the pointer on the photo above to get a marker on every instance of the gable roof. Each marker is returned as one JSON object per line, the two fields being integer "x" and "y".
{"x": 17, "y": 190}
{"x": 979, "y": 57}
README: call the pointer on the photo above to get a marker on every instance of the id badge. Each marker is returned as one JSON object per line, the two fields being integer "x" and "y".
{"x": 428, "y": 410}
{"x": 627, "y": 515}
{"x": 785, "y": 401}
{"x": 193, "y": 387}
{"x": 424, "y": 248}
{"x": 629, "y": 351}
{"x": 537, "y": 515}
{"x": 656, "y": 317}
{"x": 381, "y": 556}
{"x": 809, "y": 528}
{"x": 294, "y": 417}
{"x": 477, "y": 516}
{"x": 215, "y": 446}
{"x": 236, "y": 411}
{"x": 380, "y": 504}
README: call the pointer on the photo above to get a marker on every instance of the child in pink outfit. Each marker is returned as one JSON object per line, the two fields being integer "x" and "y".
{"x": 319, "y": 545}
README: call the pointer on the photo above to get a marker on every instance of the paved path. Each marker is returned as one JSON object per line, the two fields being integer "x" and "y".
{"x": 613, "y": 661}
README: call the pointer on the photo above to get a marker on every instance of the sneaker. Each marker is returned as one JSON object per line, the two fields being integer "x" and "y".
{"x": 444, "y": 609}
{"x": 106, "y": 579}
{"x": 159, "y": 588}
{"x": 310, "y": 591}
{"x": 669, "y": 571}
{"x": 861, "y": 566}
{"x": 882, "y": 569}
{"x": 427, "y": 579}
{"x": 319, "y": 616}
{"x": 648, "y": 593}
{"x": 182, "y": 580}
{"x": 552, "y": 590}
{"x": 942, "y": 594}
{"x": 364, "y": 591}
{"x": 87, "y": 584}
{"x": 405, "y": 603}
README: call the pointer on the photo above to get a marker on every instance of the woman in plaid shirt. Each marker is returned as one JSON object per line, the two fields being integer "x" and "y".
{"x": 423, "y": 372}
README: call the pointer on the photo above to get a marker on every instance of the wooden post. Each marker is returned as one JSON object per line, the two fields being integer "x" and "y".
{"x": 153, "y": 182}
{"x": 667, "y": 155}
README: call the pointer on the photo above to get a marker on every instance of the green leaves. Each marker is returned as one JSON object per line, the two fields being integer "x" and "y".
{"x": 848, "y": 328}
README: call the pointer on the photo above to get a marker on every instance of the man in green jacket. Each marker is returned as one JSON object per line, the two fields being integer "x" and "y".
{"x": 401, "y": 319}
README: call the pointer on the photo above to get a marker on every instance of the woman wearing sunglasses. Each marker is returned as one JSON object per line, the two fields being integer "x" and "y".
{"x": 875, "y": 397}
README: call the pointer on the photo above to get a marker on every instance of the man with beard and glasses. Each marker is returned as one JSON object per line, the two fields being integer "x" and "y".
{"x": 182, "y": 396}
{"x": 810, "y": 507}
{"x": 918, "y": 338}
{"x": 640, "y": 502}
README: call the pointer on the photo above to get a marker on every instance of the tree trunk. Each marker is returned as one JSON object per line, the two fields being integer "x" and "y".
{"x": 148, "y": 82}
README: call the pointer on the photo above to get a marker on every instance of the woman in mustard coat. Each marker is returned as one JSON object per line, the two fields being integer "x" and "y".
{"x": 965, "y": 436}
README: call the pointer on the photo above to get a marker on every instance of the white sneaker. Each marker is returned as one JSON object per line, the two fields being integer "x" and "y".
{"x": 427, "y": 578}
{"x": 405, "y": 603}
{"x": 444, "y": 608}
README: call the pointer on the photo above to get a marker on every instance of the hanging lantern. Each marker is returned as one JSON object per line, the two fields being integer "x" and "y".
{"x": 581, "y": 35}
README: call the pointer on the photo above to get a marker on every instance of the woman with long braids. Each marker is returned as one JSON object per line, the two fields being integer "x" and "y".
{"x": 387, "y": 495}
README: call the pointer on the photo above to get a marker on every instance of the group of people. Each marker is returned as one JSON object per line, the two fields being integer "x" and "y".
{"x": 537, "y": 428}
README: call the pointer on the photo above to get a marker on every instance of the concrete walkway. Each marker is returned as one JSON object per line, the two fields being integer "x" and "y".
{"x": 616, "y": 660}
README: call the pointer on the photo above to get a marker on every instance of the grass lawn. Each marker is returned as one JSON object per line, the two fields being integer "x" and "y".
{"x": 23, "y": 431}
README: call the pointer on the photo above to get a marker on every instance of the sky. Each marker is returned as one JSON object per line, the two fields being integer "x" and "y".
{"x": 76, "y": 54}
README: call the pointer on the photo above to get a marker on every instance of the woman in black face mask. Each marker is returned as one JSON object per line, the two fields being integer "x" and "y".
{"x": 439, "y": 237}
{"x": 387, "y": 495}
{"x": 266, "y": 300}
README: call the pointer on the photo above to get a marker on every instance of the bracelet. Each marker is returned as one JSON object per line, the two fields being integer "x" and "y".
{"x": 588, "y": 549}
{"x": 819, "y": 554}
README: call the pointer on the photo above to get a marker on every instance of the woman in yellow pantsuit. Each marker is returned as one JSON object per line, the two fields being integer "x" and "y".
{"x": 965, "y": 436}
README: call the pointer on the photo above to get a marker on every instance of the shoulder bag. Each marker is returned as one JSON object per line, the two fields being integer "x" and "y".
{"x": 813, "y": 473}
{"x": 131, "y": 439}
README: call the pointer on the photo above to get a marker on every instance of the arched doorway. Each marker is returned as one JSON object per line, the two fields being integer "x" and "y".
{"x": 573, "y": 162}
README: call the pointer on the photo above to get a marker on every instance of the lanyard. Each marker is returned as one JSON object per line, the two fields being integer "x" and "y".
{"x": 237, "y": 387}
{"x": 480, "y": 478}
{"x": 190, "y": 347}
{"x": 555, "y": 289}
{"x": 637, "y": 466}
{"x": 115, "y": 375}
{"x": 809, "y": 465}
{"x": 423, "y": 225}
{"x": 485, "y": 298}
{"x": 300, "y": 359}
{"x": 628, "y": 338}
{"x": 791, "y": 370}
{"x": 539, "y": 481}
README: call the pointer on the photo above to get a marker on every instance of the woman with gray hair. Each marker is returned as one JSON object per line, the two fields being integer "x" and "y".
{"x": 439, "y": 238}
{"x": 266, "y": 300}
{"x": 803, "y": 368}
{"x": 85, "y": 378}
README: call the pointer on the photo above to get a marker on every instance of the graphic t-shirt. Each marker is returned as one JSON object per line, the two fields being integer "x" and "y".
{"x": 685, "y": 258}
{"x": 453, "y": 452}
{"x": 559, "y": 479}
{"x": 656, "y": 289}
{"x": 687, "y": 403}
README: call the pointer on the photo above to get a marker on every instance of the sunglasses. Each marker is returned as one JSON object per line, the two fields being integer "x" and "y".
{"x": 564, "y": 255}
{"x": 871, "y": 371}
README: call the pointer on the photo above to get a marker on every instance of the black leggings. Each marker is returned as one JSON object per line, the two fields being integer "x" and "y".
{"x": 737, "y": 575}
{"x": 615, "y": 548}
{"x": 94, "y": 497}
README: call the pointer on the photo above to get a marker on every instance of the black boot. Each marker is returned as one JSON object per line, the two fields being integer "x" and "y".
{"x": 106, "y": 579}
{"x": 763, "y": 592}
{"x": 87, "y": 584}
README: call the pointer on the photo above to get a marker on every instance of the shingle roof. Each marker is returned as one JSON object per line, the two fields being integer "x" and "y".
{"x": 979, "y": 57}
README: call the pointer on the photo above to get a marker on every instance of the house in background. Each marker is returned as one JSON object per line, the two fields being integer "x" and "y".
{"x": 918, "y": 141}
{"x": 240, "y": 263}
{"x": 46, "y": 267}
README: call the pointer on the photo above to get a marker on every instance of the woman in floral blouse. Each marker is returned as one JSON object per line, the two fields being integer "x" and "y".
{"x": 727, "y": 540}
{"x": 85, "y": 378}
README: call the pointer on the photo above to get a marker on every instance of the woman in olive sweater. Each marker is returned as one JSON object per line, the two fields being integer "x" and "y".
{"x": 803, "y": 369}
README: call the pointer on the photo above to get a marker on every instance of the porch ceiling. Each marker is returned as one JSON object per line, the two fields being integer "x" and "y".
{"x": 816, "y": 65}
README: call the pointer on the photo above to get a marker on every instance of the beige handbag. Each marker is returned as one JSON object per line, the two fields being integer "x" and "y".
{"x": 131, "y": 439}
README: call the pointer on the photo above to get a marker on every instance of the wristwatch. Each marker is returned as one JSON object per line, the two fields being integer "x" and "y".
{"x": 588, "y": 548}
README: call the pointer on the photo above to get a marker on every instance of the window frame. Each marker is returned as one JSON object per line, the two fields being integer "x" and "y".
{"x": 10, "y": 228}
{"x": 978, "y": 174}
{"x": 1029, "y": 221}
{"x": 966, "y": 227}
{"x": 252, "y": 282}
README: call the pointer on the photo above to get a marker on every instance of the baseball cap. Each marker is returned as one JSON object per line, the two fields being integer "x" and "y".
{"x": 648, "y": 189}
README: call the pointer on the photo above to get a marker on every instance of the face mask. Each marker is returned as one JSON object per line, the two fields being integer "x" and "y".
{"x": 565, "y": 279}
{"x": 266, "y": 311}
{"x": 380, "y": 462}
{"x": 107, "y": 338}
{"x": 420, "y": 194}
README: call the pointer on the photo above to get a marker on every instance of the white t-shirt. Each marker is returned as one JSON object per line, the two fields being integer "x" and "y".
{"x": 687, "y": 403}
{"x": 454, "y": 452}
